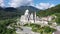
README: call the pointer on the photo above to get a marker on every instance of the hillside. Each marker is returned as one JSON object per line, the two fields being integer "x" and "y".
{"x": 10, "y": 12}
{"x": 49, "y": 11}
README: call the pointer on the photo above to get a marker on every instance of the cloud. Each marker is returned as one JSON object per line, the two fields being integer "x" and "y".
{"x": 17, "y": 3}
{"x": 2, "y": 3}
{"x": 44, "y": 5}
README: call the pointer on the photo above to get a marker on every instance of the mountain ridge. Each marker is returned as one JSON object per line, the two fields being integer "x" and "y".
{"x": 11, "y": 12}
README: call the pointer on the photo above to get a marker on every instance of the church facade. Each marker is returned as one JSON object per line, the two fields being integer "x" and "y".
{"x": 28, "y": 18}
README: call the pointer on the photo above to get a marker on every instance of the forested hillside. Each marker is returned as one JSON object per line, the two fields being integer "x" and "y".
{"x": 49, "y": 11}
{"x": 10, "y": 12}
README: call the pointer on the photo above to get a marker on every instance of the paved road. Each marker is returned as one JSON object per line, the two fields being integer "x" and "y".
{"x": 26, "y": 30}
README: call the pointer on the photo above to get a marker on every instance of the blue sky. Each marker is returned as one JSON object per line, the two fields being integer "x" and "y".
{"x": 41, "y": 4}
{"x": 47, "y": 1}
{"x": 55, "y": 2}
{"x": 6, "y": 2}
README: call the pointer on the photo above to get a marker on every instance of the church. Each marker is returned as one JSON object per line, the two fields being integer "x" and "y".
{"x": 31, "y": 18}
{"x": 28, "y": 18}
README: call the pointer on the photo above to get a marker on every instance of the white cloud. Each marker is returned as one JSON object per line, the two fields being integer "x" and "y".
{"x": 17, "y": 3}
{"x": 2, "y": 3}
{"x": 44, "y": 5}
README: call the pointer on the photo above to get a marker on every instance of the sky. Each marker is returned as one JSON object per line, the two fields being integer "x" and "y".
{"x": 40, "y": 4}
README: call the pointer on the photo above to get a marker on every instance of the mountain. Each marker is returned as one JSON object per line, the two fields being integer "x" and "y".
{"x": 10, "y": 12}
{"x": 22, "y": 9}
{"x": 1, "y": 8}
{"x": 11, "y": 9}
{"x": 30, "y": 8}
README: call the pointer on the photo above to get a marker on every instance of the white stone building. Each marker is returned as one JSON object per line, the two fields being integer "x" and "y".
{"x": 28, "y": 18}
{"x": 31, "y": 18}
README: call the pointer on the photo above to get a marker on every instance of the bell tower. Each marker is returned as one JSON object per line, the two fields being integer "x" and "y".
{"x": 34, "y": 17}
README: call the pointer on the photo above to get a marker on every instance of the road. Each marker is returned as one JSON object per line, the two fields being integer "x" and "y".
{"x": 26, "y": 30}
